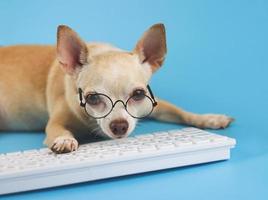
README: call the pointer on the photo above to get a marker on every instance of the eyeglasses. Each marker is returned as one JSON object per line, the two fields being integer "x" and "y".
{"x": 98, "y": 105}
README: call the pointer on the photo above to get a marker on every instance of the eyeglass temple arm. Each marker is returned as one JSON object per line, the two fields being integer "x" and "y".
{"x": 81, "y": 97}
{"x": 152, "y": 95}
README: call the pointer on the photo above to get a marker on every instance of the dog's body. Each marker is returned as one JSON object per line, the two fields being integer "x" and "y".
{"x": 36, "y": 94}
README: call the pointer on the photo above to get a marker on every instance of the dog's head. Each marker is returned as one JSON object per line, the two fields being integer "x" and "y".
{"x": 113, "y": 83}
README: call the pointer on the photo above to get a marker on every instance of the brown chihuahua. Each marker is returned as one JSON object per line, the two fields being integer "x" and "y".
{"x": 76, "y": 88}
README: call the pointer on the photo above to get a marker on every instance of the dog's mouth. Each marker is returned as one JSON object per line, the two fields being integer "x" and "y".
{"x": 109, "y": 135}
{"x": 114, "y": 128}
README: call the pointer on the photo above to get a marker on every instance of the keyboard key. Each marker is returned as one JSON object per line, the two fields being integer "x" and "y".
{"x": 200, "y": 140}
{"x": 183, "y": 142}
{"x": 216, "y": 138}
{"x": 165, "y": 145}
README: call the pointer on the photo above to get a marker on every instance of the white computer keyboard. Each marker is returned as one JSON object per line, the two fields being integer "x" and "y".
{"x": 35, "y": 169}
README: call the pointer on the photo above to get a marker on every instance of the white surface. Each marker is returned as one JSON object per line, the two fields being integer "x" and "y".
{"x": 34, "y": 169}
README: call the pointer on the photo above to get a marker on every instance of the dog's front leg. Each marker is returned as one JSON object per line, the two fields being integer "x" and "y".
{"x": 167, "y": 112}
{"x": 59, "y": 137}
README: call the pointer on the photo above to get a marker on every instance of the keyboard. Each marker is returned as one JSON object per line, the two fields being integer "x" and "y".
{"x": 41, "y": 168}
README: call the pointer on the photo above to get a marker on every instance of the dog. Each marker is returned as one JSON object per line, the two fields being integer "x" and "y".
{"x": 77, "y": 88}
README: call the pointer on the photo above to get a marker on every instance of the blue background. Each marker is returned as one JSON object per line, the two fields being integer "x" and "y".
{"x": 217, "y": 62}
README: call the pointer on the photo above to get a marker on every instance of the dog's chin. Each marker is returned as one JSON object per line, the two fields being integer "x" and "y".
{"x": 112, "y": 136}
{"x": 109, "y": 135}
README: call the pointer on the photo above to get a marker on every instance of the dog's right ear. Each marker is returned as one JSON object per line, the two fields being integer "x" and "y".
{"x": 151, "y": 48}
{"x": 71, "y": 50}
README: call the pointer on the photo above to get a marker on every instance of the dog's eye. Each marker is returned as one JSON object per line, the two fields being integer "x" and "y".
{"x": 138, "y": 95}
{"x": 93, "y": 99}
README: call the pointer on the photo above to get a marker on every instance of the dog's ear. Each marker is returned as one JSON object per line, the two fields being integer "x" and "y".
{"x": 151, "y": 48}
{"x": 71, "y": 50}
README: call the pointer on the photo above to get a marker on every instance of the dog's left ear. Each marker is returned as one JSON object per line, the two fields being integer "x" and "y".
{"x": 71, "y": 50}
{"x": 151, "y": 48}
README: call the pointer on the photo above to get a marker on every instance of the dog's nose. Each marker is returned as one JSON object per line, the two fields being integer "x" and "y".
{"x": 119, "y": 127}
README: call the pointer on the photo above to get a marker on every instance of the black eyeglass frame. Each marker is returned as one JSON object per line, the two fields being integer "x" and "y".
{"x": 152, "y": 99}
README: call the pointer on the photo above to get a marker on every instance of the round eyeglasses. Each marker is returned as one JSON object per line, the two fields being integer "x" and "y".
{"x": 98, "y": 105}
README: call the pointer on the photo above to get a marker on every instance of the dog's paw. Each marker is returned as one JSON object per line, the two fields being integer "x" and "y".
{"x": 215, "y": 121}
{"x": 64, "y": 144}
